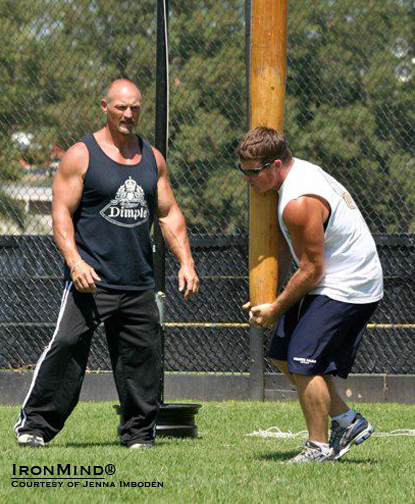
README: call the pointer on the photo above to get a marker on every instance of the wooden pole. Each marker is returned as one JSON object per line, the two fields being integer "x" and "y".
{"x": 267, "y": 92}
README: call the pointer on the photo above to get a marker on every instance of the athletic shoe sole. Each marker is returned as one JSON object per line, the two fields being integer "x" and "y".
{"x": 31, "y": 441}
{"x": 141, "y": 446}
{"x": 357, "y": 440}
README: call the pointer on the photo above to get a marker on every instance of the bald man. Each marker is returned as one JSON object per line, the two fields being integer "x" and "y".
{"x": 106, "y": 193}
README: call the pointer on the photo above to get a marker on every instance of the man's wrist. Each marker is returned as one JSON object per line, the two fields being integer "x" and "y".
{"x": 187, "y": 264}
{"x": 276, "y": 308}
{"x": 78, "y": 263}
{"x": 71, "y": 261}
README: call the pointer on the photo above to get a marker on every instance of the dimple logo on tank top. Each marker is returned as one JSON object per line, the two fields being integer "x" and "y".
{"x": 129, "y": 207}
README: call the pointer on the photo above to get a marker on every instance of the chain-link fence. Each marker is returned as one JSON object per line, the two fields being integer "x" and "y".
{"x": 350, "y": 107}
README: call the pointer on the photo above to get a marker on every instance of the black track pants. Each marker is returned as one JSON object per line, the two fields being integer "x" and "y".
{"x": 131, "y": 322}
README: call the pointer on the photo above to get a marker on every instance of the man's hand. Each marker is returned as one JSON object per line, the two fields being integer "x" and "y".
{"x": 263, "y": 315}
{"x": 84, "y": 278}
{"x": 188, "y": 279}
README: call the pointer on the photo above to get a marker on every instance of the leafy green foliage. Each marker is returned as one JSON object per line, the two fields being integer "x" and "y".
{"x": 350, "y": 103}
{"x": 349, "y": 107}
{"x": 10, "y": 172}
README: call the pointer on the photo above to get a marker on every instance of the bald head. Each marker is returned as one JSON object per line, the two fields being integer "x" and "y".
{"x": 122, "y": 105}
{"x": 122, "y": 88}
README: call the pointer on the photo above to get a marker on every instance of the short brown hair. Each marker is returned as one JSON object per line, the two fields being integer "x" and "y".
{"x": 265, "y": 144}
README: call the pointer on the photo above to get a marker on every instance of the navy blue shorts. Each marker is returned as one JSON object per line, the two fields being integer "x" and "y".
{"x": 319, "y": 335}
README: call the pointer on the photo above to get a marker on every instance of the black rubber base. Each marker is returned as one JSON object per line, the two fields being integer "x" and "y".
{"x": 177, "y": 420}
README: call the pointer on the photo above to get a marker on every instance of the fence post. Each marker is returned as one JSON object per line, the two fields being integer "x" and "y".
{"x": 161, "y": 140}
{"x": 256, "y": 361}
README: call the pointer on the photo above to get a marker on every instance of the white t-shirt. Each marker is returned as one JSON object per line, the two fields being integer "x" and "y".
{"x": 352, "y": 270}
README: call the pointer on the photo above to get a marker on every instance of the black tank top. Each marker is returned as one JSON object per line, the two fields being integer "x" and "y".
{"x": 114, "y": 218}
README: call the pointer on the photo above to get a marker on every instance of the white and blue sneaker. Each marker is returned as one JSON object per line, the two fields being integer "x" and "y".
{"x": 142, "y": 445}
{"x": 311, "y": 452}
{"x": 342, "y": 438}
{"x": 32, "y": 440}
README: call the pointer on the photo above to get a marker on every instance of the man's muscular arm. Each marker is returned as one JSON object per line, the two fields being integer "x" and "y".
{"x": 67, "y": 192}
{"x": 304, "y": 218}
{"x": 173, "y": 227}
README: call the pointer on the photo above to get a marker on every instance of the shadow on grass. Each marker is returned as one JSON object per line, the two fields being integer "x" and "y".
{"x": 285, "y": 456}
{"x": 346, "y": 461}
{"x": 278, "y": 456}
{"x": 85, "y": 445}
{"x": 105, "y": 443}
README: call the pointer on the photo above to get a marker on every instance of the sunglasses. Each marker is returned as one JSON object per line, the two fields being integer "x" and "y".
{"x": 253, "y": 171}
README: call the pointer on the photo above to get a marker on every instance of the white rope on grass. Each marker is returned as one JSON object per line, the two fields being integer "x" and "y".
{"x": 276, "y": 432}
{"x": 395, "y": 433}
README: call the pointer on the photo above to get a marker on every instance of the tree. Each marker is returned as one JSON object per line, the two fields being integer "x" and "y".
{"x": 350, "y": 103}
{"x": 56, "y": 60}
{"x": 350, "y": 97}
{"x": 10, "y": 172}
{"x": 207, "y": 75}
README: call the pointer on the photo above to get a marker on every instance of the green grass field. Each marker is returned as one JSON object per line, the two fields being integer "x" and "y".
{"x": 222, "y": 465}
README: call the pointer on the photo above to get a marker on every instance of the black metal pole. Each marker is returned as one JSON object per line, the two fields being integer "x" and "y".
{"x": 177, "y": 420}
{"x": 256, "y": 365}
{"x": 161, "y": 126}
{"x": 161, "y": 141}
{"x": 162, "y": 98}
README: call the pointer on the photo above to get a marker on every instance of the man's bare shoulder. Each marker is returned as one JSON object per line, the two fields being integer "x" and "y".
{"x": 161, "y": 162}
{"x": 158, "y": 155}
{"x": 300, "y": 212}
{"x": 75, "y": 160}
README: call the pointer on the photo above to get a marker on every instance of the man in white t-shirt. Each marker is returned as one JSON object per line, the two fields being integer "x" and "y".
{"x": 326, "y": 304}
